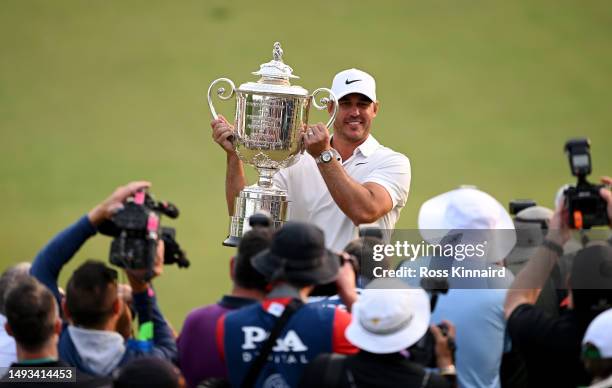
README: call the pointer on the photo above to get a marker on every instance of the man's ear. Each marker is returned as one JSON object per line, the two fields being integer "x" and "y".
{"x": 7, "y": 328}
{"x": 65, "y": 309}
{"x": 330, "y": 107}
{"x": 117, "y": 306}
{"x": 376, "y": 106}
{"x": 309, "y": 289}
{"x": 58, "y": 326}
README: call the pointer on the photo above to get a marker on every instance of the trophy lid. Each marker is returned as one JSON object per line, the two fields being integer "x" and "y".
{"x": 275, "y": 76}
{"x": 276, "y": 69}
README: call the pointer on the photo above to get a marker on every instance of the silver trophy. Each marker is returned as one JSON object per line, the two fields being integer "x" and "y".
{"x": 270, "y": 115}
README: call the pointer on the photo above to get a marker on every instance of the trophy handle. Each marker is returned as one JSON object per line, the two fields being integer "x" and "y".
{"x": 324, "y": 102}
{"x": 220, "y": 93}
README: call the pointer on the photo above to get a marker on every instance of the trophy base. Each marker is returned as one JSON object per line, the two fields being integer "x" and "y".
{"x": 251, "y": 200}
{"x": 231, "y": 241}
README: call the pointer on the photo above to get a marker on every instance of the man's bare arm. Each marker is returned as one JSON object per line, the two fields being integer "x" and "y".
{"x": 528, "y": 284}
{"x": 362, "y": 203}
{"x": 235, "y": 179}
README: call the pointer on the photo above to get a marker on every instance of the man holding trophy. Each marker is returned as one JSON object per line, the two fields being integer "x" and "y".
{"x": 344, "y": 180}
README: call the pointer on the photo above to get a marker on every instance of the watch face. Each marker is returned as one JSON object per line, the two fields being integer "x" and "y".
{"x": 326, "y": 156}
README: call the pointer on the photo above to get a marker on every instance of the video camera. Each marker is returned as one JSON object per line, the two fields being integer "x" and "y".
{"x": 136, "y": 230}
{"x": 585, "y": 205}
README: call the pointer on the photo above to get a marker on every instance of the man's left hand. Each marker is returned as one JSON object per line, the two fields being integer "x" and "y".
{"x": 316, "y": 139}
{"x": 137, "y": 277}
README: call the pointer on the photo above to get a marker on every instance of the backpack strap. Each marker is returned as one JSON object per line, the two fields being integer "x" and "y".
{"x": 262, "y": 357}
{"x": 426, "y": 377}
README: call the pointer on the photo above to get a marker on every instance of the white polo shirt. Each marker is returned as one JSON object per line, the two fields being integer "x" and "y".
{"x": 311, "y": 201}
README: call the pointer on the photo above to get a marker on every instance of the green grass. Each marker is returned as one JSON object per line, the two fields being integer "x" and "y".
{"x": 94, "y": 94}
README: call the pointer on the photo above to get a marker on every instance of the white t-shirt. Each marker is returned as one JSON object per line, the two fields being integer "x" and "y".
{"x": 311, "y": 201}
{"x": 8, "y": 350}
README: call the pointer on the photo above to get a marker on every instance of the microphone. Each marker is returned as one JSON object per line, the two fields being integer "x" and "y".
{"x": 168, "y": 208}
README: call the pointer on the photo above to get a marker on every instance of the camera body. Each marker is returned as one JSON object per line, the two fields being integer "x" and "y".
{"x": 585, "y": 205}
{"x": 136, "y": 230}
{"x": 516, "y": 205}
{"x": 424, "y": 350}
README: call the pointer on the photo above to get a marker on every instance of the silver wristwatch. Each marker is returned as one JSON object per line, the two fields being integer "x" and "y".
{"x": 327, "y": 156}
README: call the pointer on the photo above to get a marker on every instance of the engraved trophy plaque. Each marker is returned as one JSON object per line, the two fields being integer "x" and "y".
{"x": 270, "y": 116}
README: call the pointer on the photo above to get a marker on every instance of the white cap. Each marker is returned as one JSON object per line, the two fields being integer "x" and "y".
{"x": 468, "y": 208}
{"x": 388, "y": 320}
{"x": 354, "y": 81}
{"x": 599, "y": 333}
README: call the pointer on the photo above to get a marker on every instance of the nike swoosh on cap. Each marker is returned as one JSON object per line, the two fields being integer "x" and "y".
{"x": 347, "y": 82}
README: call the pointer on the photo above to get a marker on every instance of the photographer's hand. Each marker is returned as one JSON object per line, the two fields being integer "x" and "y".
{"x": 114, "y": 202}
{"x": 125, "y": 292}
{"x": 444, "y": 352}
{"x": 558, "y": 229}
{"x": 137, "y": 277}
{"x": 607, "y": 195}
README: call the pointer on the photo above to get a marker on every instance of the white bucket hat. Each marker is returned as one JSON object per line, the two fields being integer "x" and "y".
{"x": 599, "y": 333}
{"x": 354, "y": 81}
{"x": 468, "y": 208}
{"x": 388, "y": 317}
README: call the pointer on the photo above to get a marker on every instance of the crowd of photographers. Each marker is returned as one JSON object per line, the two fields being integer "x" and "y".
{"x": 298, "y": 314}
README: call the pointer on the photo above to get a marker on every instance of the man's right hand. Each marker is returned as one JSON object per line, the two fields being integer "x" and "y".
{"x": 443, "y": 348}
{"x": 222, "y": 132}
{"x": 114, "y": 202}
{"x": 558, "y": 228}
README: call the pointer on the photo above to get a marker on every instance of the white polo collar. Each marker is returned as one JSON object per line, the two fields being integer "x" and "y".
{"x": 368, "y": 147}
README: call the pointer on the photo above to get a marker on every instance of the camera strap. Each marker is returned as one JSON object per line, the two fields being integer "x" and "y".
{"x": 333, "y": 370}
{"x": 262, "y": 357}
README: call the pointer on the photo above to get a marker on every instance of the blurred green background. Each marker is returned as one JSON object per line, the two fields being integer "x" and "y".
{"x": 94, "y": 94}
